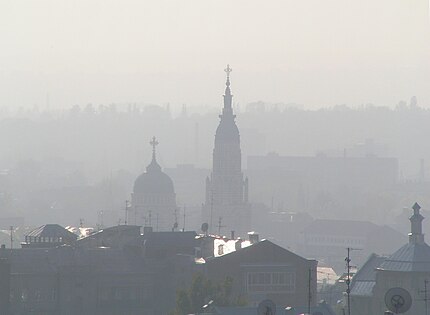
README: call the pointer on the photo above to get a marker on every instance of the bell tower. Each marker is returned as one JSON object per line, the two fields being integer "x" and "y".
{"x": 226, "y": 189}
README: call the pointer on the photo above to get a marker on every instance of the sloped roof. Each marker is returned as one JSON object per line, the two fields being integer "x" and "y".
{"x": 162, "y": 239}
{"x": 276, "y": 252}
{"x": 51, "y": 230}
{"x": 365, "y": 279}
{"x": 48, "y": 261}
{"x": 412, "y": 257}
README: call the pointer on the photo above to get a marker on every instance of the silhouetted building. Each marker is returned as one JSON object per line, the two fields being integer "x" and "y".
{"x": 117, "y": 237}
{"x": 319, "y": 183}
{"x": 327, "y": 240}
{"x": 66, "y": 280}
{"x": 264, "y": 270}
{"x": 49, "y": 235}
{"x": 226, "y": 190}
{"x": 153, "y": 198}
{"x": 4, "y": 285}
{"x": 407, "y": 271}
{"x": 119, "y": 271}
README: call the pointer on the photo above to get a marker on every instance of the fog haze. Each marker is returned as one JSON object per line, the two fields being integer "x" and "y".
{"x": 58, "y": 53}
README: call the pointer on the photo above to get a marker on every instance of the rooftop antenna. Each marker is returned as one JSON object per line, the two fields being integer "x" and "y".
{"x": 196, "y": 143}
{"x": 220, "y": 225}
{"x": 11, "y": 237}
{"x": 126, "y": 212}
{"x": 175, "y": 225}
{"x": 309, "y": 290}
{"x": 183, "y": 229}
{"x": 101, "y": 218}
{"x": 426, "y": 298}
{"x": 156, "y": 226}
{"x": 81, "y": 222}
{"x": 212, "y": 208}
{"x": 425, "y": 295}
{"x": 348, "y": 279}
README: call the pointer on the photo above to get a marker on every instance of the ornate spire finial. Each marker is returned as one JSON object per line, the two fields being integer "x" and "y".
{"x": 416, "y": 235}
{"x": 228, "y": 70}
{"x": 153, "y": 143}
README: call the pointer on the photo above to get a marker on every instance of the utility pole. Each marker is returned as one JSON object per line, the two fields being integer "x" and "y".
{"x": 175, "y": 224}
{"x": 220, "y": 225}
{"x": 426, "y": 298}
{"x": 126, "y": 212}
{"x": 348, "y": 279}
{"x": 212, "y": 208}
{"x": 183, "y": 229}
{"x": 157, "y": 222}
{"x": 309, "y": 290}
{"x": 11, "y": 237}
{"x": 425, "y": 295}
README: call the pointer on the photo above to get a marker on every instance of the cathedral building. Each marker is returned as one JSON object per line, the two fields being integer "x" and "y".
{"x": 226, "y": 207}
{"x": 153, "y": 201}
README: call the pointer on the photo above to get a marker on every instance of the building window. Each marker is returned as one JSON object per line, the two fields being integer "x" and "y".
{"x": 270, "y": 282}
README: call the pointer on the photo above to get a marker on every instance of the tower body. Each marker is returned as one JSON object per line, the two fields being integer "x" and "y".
{"x": 226, "y": 189}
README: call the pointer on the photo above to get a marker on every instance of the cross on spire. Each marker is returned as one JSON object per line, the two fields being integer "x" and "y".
{"x": 153, "y": 143}
{"x": 228, "y": 70}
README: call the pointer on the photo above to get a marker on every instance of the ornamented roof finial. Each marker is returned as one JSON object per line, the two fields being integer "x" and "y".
{"x": 153, "y": 143}
{"x": 228, "y": 70}
{"x": 416, "y": 236}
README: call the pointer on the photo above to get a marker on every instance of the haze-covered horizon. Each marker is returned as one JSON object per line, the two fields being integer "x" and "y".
{"x": 58, "y": 54}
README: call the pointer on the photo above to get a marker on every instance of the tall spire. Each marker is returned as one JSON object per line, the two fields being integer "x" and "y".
{"x": 227, "y": 96}
{"x": 416, "y": 236}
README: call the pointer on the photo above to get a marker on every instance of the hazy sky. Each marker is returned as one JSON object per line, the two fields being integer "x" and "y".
{"x": 312, "y": 52}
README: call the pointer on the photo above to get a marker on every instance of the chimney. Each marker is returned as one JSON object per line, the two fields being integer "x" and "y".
{"x": 232, "y": 235}
{"x": 253, "y": 237}
{"x": 147, "y": 230}
{"x": 238, "y": 244}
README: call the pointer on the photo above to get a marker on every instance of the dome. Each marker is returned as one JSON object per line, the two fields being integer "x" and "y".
{"x": 153, "y": 181}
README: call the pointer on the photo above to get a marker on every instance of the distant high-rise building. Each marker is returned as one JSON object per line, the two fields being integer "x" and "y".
{"x": 227, "y": 207}
{"x": 153, "y": 199}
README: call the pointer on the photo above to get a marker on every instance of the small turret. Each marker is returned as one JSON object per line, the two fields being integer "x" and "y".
{"x": 416, "y": 236}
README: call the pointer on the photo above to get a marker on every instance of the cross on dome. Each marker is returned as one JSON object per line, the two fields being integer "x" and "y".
{"x": 154, "y": 144}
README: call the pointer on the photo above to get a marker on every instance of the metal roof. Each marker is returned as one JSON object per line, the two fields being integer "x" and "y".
{"x": 412, "y": 257}
{"x": 51, "y": 230}
{"x": 365, "y": 279}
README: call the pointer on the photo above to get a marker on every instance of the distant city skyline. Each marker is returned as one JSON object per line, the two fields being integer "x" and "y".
{"x": 162, "y": 52}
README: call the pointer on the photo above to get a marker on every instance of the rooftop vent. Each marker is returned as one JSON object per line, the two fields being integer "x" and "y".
{"x": 253, "y": 237}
